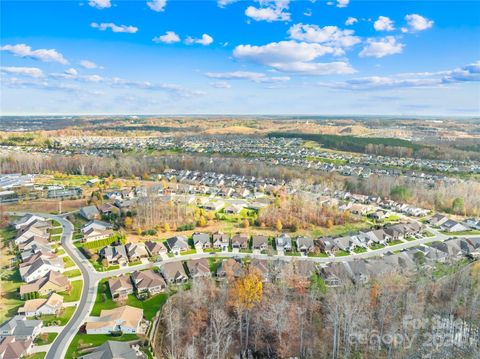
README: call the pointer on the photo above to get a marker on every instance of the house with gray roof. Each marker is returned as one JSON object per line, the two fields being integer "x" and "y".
{"x": 178, "y": 244}
{"x": 283, "y": 242}
{"x": 115, "y": 350}
{"x": 201, "y": 240}
{"x": 21, "y": 328}
{"x": 305, "y": 245}
{"x": 115, "y": 254}
{"x": 89, "y": 212}
{"x": 173, "y": 272}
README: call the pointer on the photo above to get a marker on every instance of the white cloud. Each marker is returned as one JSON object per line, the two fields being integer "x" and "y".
{"x": 342, "y": 3}
{"x": 383, "y": 23}
{"x": 221, "y": 85}
{"x": 350, "y": 21}
{"x": 328, "y": 35}
{"x": 115, "y": 28}
{"x": 23, "y": 71}
{"x": 205, "y": 40}
{"x": 292, "y": 56}
{"x": 71, "y": 72}
{"x": 157, "y": 5}
{"x": 223, "y": 3}
{"x": 247, "y": 75}
{"x": 170, "y": 37}
{"x": 45, "y": 55}
{"x": 86, "y": 64}
{"x": 382, "y": 47}
{"x": 269, "y": 10}
{"x": 100, "y": 4}
{"x": 417, "y": 23}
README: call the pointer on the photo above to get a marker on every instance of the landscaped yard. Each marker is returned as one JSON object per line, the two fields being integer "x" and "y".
{"x": 395, "y": 242}
{"x": 191, "y": 251}
{"x": 39, "y": 355}
{"x": 10, "y": 302}
{"x": 75, "y": 292}
{"x": 68, "y": 262}
{"x": 375, "y": 246}
{"x": 57, "y": 230}
{"x": 72, "y": 273}
{"x": 462, "y": 233}
{"x": 318, "y": 254}
{"x": 61, "y": 319}
{"x": 45, "y": 338}
{"x": 341, "y": 254}
{"x": 55, "y": 238}
{"x": 83, "y": 341}
{"x": 59, "y": 252}
{"x": 55, "y": 223}
{"x": 104, "y": 301}
{"x": 360, "y": 250}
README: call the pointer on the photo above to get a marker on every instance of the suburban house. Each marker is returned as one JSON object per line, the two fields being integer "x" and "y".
{"x": 198, "y": 268}
{"x": 113, "y": 350}
{"x": 136, "y": 251}
{"x": 42, "y": 306}
{"x": 472, "y": 223}
{"x": 178, "y": 244}
{"x": 148, "y": 281}
{"x": 95, "y": 234}
{"x": 89, "y": 212}
{"x": 97, "y": 225}
{"x": 453, "y": 226}
{"x": 174, "y": 272}
{"x": 51, "y": 282}
{"x": 259, "y": 242}
{"x": 263, "y": 267}
{"x": 120, "y": 287}
{"x": 155, "y": 248}
{"x": 201, "y": 240}
{"x": 26, "y": 220}
{"x": 240, "y": 241}
{"x": 11, "y": 348}
{"x": 283, "y": 242}
{"x": 346, "y": 243}
{"x": 214, "y": 205}
{"x": 39, "y": 265}
{"x": 233, "y": 209}
{"x": 124, "y": 319}
{"x": 377, "y": 236}
{"x": 437, "y": 220}
{"x": 26, "y": 233}
{"x": 221, "y": 241}
{"x": 34, "y": 241}
{"x": 21, "y": 328}
{"x": 377, "y": 215}
{"x": 305, "y": 245}
{"x": 115, "y": 254}
{"x": 230, "y": 267}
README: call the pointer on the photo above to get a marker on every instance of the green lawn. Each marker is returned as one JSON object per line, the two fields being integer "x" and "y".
{"x": 59, "y": 252}
{"x": 62, "y": 319}
{"x": 135, "y": 263}
{"x": 68, "y": 262}
{"x": 55, "y": 223}
{"x": 72, "y": 273}
{"x": 57, "y": 230}
{"x": 341, "y": 254}
{"x": 191, "y": 251}
{"x": 292, "y": 254}
{"x": 104, "y": 301}
{"x": 75, "y": 292}
{"x": 319, "y": 254}
{"x": 49, "y": 339}
{"x": 463, "y": 233}
{"x": 10, "y": 282}
{"x": 83, "y": 341}
{"x": 376, "y": 246}
{"x": 39, "y": 355}
{"x": 103, "y": 242}
{"x": 55, "y": 238}
{"x": 360, "y": 250}
{"x": 395, "y": 242}
{"x": 428, "y": 234}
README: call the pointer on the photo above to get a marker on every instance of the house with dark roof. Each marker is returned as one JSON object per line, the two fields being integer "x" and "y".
{"x": 21, "y": 328}
{"x": 148, "y": 281}
{"x": 115, "y": 254}
{"x": 198, "y": 268}
{"x": 178, "y": 244}
{"x": 115, "y": 350}
{"x": 155, "y": 248}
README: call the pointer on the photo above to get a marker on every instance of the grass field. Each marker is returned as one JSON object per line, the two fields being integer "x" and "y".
{"x": 55, "y": 231}
{"x": 68, "y": 262}
{"x": 104, "y": 301}
{"x": 10, "y": 301}
{"x": 39, "y": 355}
{"x": 83, "y": 341}
{"x": 75, "y": 292}
{"x": 72, "y": 273}
{"x": 49, "y": 338}
{"x": 61, "y": 319}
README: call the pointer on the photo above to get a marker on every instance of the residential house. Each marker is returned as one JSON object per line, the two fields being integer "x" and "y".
{"x": 120, "y": 287}
{"x": 214, "y": 205}
{"x": 26, "y": 233}
{"x": 21, "y": 328}
{"x": 124, "y": 319}
{"x": 259, "y": 242}
{"x": 221, "y": 241}
{"x": 437, "y": 220}
{"x": 472, "y": 223}
{"x": 230, "y": 267}
{"x": 283, "y": 242}
{"x": 148, "y": 281}
{"x": 42, "y": 306}
{"x": 155, "y": 248}
{"x": 173, "y": 272}
{"x": 233, "y": 209}
{"x": 26, "y": 220}
{"x": 115, "y": 254}
{"x": 115, "y": 350}
{"x": 11, "y": 348}
{"x": 51, "y": 282}
{"x": 136, "y": 251}
{"x": 97, "y": 225}
{"x": 198, "y": 268}
{"x": 240, "y": 241}
{"x": 378, "y": 236}
{"x": 95, "y": 234}
{"x": 377, "y": 215}
{"x": 201, "y": 240}
{"x": 346, "y": 243}
{"x": 89, "y": 212}
{"x": 305, "y": 245}
{"x": 39, "y": 265}
{"x": 453, "y": 226}
{"x": 178, "y": 244}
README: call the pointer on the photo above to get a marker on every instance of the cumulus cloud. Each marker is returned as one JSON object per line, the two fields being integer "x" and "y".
{"x": 170, "y": 37}
{"x": 328, "y": 35}
{"x": 382, "y": 47}
{"x": 383, "y": 23}
{"x": 269, "y": 10}
{"x": 417, "y": 23}
{"x": 100, "y": 4}
{"x": 115, "y": 28}
{"x": 292, "y": 56}
{"x": 350, "y": 21}
{"x": 157, "y": 5}
{"x": 221, "y": 85}
{"x": 342, "y": 3}
{"x": 223, "y": 3}
{"x": 45, "y": 55}
{"x": 23, "y": 71}
{"x": 86, "y": 64}
{"x": 468, "y": 73}
{"x": 205, "y": 40}
{"x": 247, "y": 75}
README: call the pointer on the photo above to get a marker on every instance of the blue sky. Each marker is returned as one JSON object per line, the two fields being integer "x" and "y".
{"x": 336, "y": 57}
